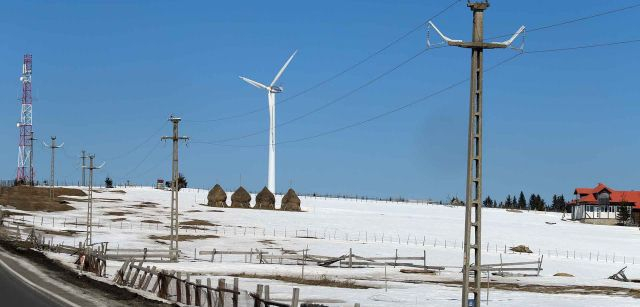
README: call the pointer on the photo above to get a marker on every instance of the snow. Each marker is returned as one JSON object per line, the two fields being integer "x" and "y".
{"x": 589, "y": 252}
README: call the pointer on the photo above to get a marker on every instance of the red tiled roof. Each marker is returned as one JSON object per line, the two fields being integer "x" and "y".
{"x": 589, "y": 196}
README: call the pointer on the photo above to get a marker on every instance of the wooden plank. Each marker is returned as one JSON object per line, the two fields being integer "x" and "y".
{"x": 236, "y": 291}
{"x": 295, "y": 297}
{"x": 145, "y": 286}
{"x": 126, "y": 279}
{"x": 221, "y": 286}
{"x": 197, "y": 293}
{"x": 209, "y": 298}
{"x": 132, "y": 282}
{"x": 187, "y": 289}
{"x": 144, "y": 277}
{"x": 179, "y": 288}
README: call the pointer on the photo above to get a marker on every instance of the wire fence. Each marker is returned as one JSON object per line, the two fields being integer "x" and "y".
{"x": 78, "y": 225}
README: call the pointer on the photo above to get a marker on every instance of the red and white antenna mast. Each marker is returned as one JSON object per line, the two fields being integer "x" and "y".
{"x": 25, "y": 172}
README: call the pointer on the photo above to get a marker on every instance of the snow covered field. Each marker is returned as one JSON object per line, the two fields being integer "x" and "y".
{"x": 332, "y": 226}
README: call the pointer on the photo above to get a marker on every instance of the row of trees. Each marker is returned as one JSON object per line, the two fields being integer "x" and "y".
{"x": 535, "y": 202}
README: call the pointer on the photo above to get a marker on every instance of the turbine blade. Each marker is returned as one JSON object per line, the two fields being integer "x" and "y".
{"x": 283, "y": 68}
{"x": 254, "y": 83}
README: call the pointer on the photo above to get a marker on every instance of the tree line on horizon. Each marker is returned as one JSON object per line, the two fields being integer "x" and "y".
{"x": 535, "y": 203}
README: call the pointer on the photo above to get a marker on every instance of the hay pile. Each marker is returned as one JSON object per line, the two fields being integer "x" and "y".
{"x": 521, "y": 249}
{"x": 265, "y": 200}
{"x": 217, "y": 197}
{"x": 561, "y": 274}
{"x": 241, "y": 199}
{"x": 290, "y": 201}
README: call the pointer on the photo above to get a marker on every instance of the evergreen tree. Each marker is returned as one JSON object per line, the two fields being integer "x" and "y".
{"x": 182, "y": 181}
{"x": 532, "y": 202}
{"x": 623, "y": 214}
{"x": 540, "y": 204}
{"x": 522, "y": 202}
{"x": 507, "y": 202}
{"x": 562, "y": 204}
{"x": 108, "y": 183}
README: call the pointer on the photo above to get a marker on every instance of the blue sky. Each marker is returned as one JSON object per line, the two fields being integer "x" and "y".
{"x": 107, "y": 74}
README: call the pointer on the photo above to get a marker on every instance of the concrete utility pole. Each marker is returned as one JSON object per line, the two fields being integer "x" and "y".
{"x": 473, "y": 200}
{"x": 173, "y": 237}
{"x": 53, "y": 147}
{"x": 32, "y": 174}
{"x": 91, "y": 167}
{"x": 83, "y": 157}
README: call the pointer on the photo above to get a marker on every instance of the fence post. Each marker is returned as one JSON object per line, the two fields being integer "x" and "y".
{"x": 187, "y": 289}
{"x": 221, "y": 286}
{"x": 350, "y": 257}
{"x": 258, "y": 303}
{"x": 424, "y": 258}
{"x": 209, "y": 299}
{"x": 266, "y": 293}
{"x": 197, "y": 293}
{"x": 236, "y": 291}
{"x": 179, "y": 288}
{"x": 294, "y": 298}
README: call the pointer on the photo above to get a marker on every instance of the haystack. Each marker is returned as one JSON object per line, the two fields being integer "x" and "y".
{"x": 241, "y": 199}
{"x": 290, "y": 201}
{"x": 265, "y": 200}
{"x": 521, "y": 249}
{"x": 217, "y": 197}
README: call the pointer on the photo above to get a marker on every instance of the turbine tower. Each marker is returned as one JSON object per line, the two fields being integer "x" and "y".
{"x": 25, "y": 173}
{"x": 272, "y": 90}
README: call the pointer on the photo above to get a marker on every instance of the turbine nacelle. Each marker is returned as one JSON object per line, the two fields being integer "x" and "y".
{"x": 276, "y": 89}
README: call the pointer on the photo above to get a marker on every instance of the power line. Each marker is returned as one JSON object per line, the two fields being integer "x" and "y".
{"x": 337, "y": 75}
{"x": 579, "y": 19}
{"x": 584, "y": 46}
{"x": 424, "y": 98}
{"x": 135, "y": 148}
{"x": 336, "y": 100}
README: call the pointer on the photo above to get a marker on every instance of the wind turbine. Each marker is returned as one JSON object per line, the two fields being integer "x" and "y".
{"x": 272, "y": 90}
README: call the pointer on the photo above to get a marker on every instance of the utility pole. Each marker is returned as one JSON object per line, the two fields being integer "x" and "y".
{"x": 91, "y": 167}
{"x": 32, "y": 173}
{"x": 473, "y": 200}
{"x": 53, "y": 147}
{"x": 83, "y": 157}
{"x": 173, "y": 237}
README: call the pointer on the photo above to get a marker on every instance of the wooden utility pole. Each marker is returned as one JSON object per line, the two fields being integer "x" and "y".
{"x": 53, "y": 147}
{"x": 173, "y": 237}
{"x": 91, "y": 167}
{"x": 473, "y": 201}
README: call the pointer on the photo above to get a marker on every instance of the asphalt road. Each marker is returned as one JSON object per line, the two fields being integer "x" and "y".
{"x": 27, "y": 284}
{"x": 15, "y": 292}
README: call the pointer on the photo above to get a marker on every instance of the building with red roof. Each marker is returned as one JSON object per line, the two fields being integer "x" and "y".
{"x": 604, "y": 203}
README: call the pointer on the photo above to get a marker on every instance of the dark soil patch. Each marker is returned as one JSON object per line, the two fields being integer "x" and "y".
{"x": 322, "y": 281}
{"x": 195, "y": 210}
{"x": 184, "y": 237}
{"x": 215, "y": 210}
{"x": 117, "y": 191}
{"x": 10, "y": 213}
{"x": 198, "y": 223}
{"x": 116, "y": 213}
{"x": 28, "y": 198}
{"x": 193, "y": 227}
{"x": 66, "y": 233}
{"x": 118, "y": 219}
{"x": 150, "y": 203}
{"x": 151, "y": 222}
{"x": 108, "y": 200}
{"x": 267, "y": 242}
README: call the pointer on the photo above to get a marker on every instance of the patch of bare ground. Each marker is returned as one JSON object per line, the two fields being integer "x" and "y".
{"x": 66, "y": 233}
{"x": 192, "y": 227}
{"x": 150, "y": 203}
{"x": 548, "y": 289}
{"x": 150, "y": 221}
{"x": 215, "y": 210}
{"x": 184, "y": 237}
{"x": 119, "y": 219}
{"x": 146, "y": 204}
{"x": 10, "y": 213}
{"x": 194, "y": 210}
{"x": 267, "y": 242}
{"x": 514, "y": 210}
{"x": 323, "y": 281}
{"x": 29, "y": 198}
{"x": 117, "y": 191}
{"x": 198, "y": 223}
{"x": 116, "y": 213}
